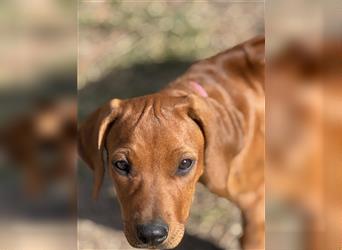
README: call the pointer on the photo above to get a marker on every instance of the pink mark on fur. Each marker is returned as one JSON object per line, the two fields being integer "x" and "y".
{"x": 200, "y": 90}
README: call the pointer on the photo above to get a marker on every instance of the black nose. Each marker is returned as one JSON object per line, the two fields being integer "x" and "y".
{"x": 152, "y": 233}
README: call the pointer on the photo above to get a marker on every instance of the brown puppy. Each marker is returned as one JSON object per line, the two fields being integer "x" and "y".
{"x": 208, "y": 126}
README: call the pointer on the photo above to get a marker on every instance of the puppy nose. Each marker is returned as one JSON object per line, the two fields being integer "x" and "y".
{"x": 152, "y": 233}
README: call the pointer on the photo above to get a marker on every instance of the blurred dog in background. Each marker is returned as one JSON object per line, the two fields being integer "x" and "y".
{"x": 42, "y": 145}
{"x": 303, "y": 140}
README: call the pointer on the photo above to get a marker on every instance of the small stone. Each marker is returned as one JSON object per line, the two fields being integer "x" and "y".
{"x": 236, "y": 229}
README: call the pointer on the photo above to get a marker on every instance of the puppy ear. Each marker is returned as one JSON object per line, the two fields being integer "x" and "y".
{"x": 91, "y": 137}
{"x": 222, "y": 129}
{"x": 255, "y": 50}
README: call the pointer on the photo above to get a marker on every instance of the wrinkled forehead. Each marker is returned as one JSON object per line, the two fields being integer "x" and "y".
{"x": 153, "y": 122}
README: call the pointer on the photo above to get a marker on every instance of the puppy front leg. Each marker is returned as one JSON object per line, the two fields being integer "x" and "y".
{"x": 254, "y": 225}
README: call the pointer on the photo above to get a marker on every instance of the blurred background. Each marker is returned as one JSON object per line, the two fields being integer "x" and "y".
{"x": 38, "y": 87}
{"x": 303, "y": 125}
{"x": 132, "y": 48}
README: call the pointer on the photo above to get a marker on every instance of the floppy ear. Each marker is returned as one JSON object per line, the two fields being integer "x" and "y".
{"x": 222, "y": 128}
{"x": 91, "y": 137}
{"x": 255, "y": 50}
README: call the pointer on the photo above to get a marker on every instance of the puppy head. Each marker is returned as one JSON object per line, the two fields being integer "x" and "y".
{"x": 156, "y": 147}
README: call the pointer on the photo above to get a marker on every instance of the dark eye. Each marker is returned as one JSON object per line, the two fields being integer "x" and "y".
{"x": 184, "y": 166}
{"x": 122, "y": 167}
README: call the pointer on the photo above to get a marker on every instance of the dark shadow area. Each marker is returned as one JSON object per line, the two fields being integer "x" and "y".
{"x": 193, "y": 242}
{"x": 138, "y": 80}
{"x": 20, "y": 98}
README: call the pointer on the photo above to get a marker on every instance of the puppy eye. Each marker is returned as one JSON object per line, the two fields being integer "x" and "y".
{"x": 122, "y": 167}
{"x": 184, "y": 166}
